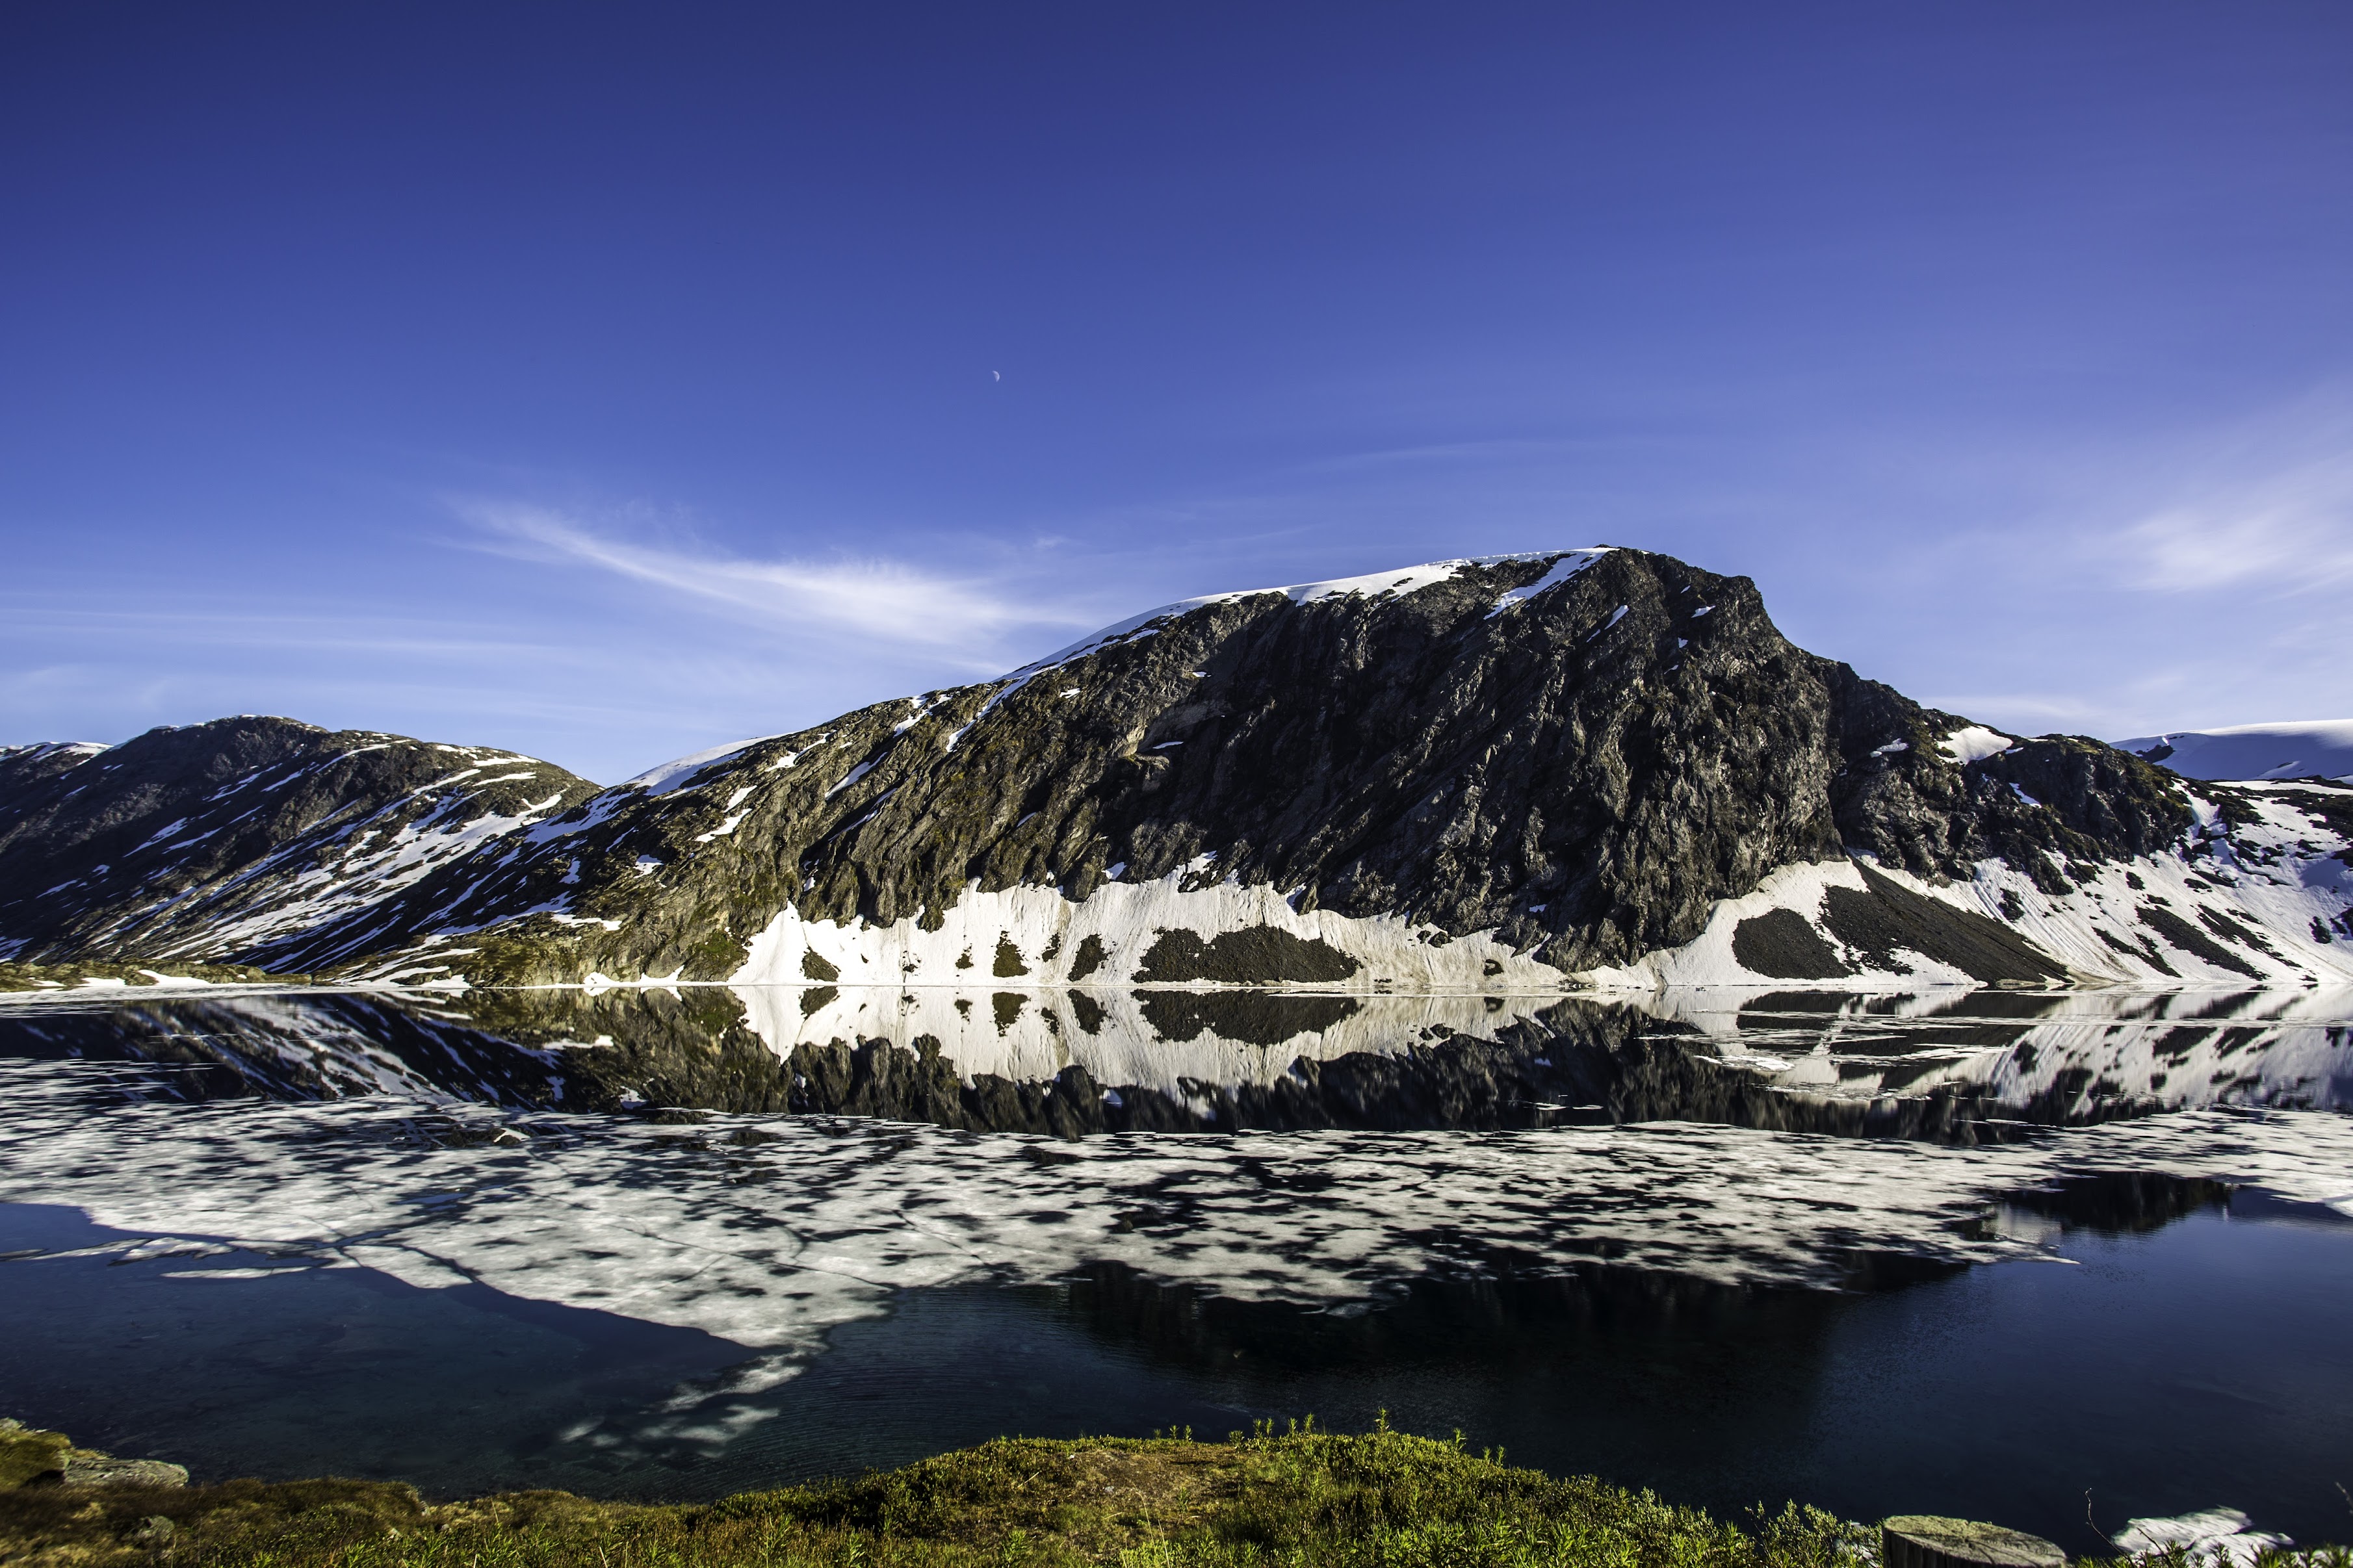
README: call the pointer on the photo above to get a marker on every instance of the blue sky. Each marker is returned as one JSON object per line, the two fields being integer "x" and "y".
{"x": 612, "y": 380}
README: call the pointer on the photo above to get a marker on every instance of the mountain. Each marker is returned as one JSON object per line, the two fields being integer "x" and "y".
{"x": 186, "y": 843}
{"x": 2321, "y": 749}
{"x": 1482, "y": 776}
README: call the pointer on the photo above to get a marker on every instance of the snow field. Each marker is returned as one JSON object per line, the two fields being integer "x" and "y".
{"x": 1126, "y": 918}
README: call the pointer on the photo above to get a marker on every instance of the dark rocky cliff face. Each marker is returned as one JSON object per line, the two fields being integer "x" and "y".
{"x": 1585, "y": 771}
{"x": 189, "y": 843}
{"x": 1580, "y": 754}
{"x": 23, "y": 768}
{"x": 2041, "y": 805}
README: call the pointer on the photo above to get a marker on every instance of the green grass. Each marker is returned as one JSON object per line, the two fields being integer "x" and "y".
{"x": 1270, "y": 1499}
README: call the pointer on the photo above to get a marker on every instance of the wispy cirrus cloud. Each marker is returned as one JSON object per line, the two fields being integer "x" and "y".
{"x": 883, "y": 601}
{"x": 2252, "y": 515}
{"x": 2022, "y": 708}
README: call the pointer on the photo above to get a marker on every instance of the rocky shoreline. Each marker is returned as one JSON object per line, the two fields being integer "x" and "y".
{"x": 30, "y": 1458}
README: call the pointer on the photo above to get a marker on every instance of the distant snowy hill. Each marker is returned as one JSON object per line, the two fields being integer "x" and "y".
{"x": 1494, "y": 777}
{"x": 2322, "y": 747}
{"x": 184, "y": 843}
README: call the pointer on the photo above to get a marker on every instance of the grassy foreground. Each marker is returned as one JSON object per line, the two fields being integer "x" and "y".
{"x": 1290, "y": 1498}
{"x": 1301, "y": 1496}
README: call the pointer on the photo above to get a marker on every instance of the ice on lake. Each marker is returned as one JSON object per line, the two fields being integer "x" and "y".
{"x": 766, "y": 1175}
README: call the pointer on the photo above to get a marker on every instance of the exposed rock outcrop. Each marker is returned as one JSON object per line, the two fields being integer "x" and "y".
{"x": 1498, "y": 773}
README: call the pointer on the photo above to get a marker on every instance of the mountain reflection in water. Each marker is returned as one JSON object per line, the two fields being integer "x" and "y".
{"x": 1947, "y": 1065}
{"x": 672, "y": 1243}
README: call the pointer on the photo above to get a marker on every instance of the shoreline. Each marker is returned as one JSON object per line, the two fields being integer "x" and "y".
{"x": 1264, "y": 1497}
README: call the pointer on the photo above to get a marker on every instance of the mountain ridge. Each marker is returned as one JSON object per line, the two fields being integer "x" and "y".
{"x": 2311, "y": 749}
{"x": 1513, "y": 772}
{"x": 219, "y": 837}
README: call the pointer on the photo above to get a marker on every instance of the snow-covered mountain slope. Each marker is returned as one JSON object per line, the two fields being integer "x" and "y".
{"x": 23, "y": 767}
{"x": 2319, "y": 749}
{"x": 1492, "y": 777}
{"x": 1480, "y": 774}
{"x": 2258, "y": 889}
{"x": 196, "y": 843}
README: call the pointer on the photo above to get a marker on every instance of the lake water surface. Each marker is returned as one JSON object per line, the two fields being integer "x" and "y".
{"x": 1973, "y": 1253}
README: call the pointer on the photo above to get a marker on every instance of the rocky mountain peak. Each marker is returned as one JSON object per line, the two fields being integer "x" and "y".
{"x": 1496, "y": 772}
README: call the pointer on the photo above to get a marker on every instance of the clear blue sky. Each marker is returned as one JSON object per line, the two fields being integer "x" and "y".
{"x": 609, "y": 380}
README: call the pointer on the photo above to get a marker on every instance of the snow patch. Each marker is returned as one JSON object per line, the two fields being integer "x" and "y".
{"x": 1125, "y": 918}
{"x": 670, "y": 775}
{"x": 1709, "y": 959}
{"x": 2288, "y": 750}
{"x": 723, "y": 830}
{"x": 860, "y": 772}
{"x": 1566, "y": 567}
{"x": 1374, "y": 585}
{"x": 163, "y": 833}
{"x": 1973, "y": 743}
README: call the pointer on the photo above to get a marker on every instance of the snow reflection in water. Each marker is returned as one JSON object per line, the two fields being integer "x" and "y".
{"x": 1947, "y": 1064}
{"x": 1407, "y": 1145}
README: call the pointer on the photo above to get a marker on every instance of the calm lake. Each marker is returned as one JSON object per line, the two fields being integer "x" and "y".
{"x": 1977, "y": 1253}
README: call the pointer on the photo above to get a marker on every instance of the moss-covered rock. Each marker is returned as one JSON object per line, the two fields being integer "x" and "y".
{"x": 27, "y": 1456}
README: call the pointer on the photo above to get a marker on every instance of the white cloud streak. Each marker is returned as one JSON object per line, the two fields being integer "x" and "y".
{"x": 2286, "y": 527}
{"x": 883, "y": 601}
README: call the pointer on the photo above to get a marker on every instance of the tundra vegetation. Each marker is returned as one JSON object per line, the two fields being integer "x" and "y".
{"x": 1269, "y": 1497}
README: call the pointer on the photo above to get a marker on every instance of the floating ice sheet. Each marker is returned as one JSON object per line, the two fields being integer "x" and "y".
{"x": 771, "y": 1230}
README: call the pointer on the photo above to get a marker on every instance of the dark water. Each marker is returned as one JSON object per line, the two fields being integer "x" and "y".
{"x": 2205, "y": 1362}
{"x": 2184, "y": 1345}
